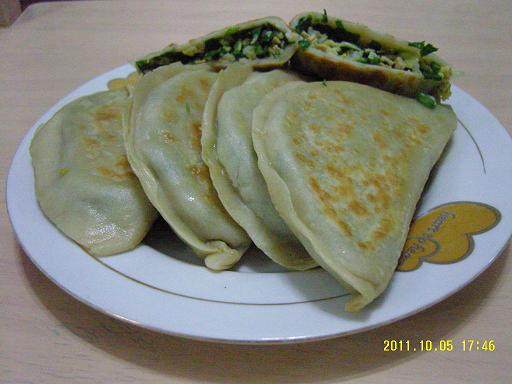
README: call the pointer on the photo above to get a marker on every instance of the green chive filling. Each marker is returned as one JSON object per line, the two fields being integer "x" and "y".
{"x": 256, "y": 43}
{"x": 427, "y": 100}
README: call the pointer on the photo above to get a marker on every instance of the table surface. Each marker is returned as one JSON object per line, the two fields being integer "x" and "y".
{"x": 47, "y": 336}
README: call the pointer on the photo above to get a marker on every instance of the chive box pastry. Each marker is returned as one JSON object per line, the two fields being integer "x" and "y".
{"x": 227, "y": 149}
{"x": 83, "y": 182}
{"x": 336, "y": 49}
{"x": 345, "y": 165}
{"x": 163, "y": 144}
{"x": 264, "y": 43}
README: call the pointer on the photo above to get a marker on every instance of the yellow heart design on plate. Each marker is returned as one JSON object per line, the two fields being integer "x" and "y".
{"x": 445, "y": 234}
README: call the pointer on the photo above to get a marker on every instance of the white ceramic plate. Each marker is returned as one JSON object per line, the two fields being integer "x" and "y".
{"x": 162, "y": 286}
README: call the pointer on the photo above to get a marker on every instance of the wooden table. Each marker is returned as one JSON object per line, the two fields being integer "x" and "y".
{"x": 48, "y": 337}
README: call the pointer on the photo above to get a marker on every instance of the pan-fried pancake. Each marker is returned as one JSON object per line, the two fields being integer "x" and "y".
{"x": 163, "y": 141}
{"x": 229, "y": 154}
{"x": 345, "y": 165}
{"x": 83, "y": 181}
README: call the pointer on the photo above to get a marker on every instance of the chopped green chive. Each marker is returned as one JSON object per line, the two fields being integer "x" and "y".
{"x": 371, "y": 57}
{"x": 324, "y": 17}
{"x": 427, "y": 100}
{"x": 304, "y": 44}
{"x": 324, "y": 82}
{"x": 435, "y": 66}
{"x": 255, "y": 35}
{"x": 259, "y": 50}
{"x": 431, "y": 70}
{"x": 212, "y": 54}
{"x": 432, "y": 76}
{"x": 231, "y": 30}
{"x": 425, "y": 48}
{"x": 267, "y": 37}
{"x": 237, "y": 47}
{"x": 303, "y": 23}
{"x": 258, "y": 42}
{"x": 187, "y": 108}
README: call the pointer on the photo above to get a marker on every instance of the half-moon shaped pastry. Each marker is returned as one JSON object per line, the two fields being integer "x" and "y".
{"x": 229, "y": 154}
{"x": 345, "y": 165}
{"x": 263, "y": 43}
{"x": 83, "y": 181}
{"x": 163, "y": 141}
{"x": 336, "y": 49}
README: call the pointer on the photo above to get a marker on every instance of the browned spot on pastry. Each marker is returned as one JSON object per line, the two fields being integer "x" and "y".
{"x": 332, "y": 147}
{"x": 423, "y": 128}
{"x": 343, "y": 226}
{"x": 344, "y": 185}
{"x": 340, "y": 96}
{"x": 388, "y": 158}
{"x": 381, "y": 197}
{"x": 384, "y": 228}
{"x": 293, "y": 115}
{"x": 297, "y": 140}
{"x": 356, "y": 207}
{"x": 107, "y": 113}
{"x": 334, "y": 172}
{"x": 169, "y": 116}
{"x": 303, "y": 159}
{"x": 90, "y": 142}
{"x": 313, "y": 95}
{"x": 168, "y": 137}
{"x": 123, "y": 162}
{"x": 205, "y": 84}
{"x": 325, "y": 198}
{"x": 195, "y": 128}
{"x": 345, "y": 100}
{"x": 379, "y": 140}
{"x": 315, "y": 128}
{"x": 365, "y": 245}
{"x": 397, "y": 133}
{"x": 118, "y": 176}
{"x": 200, "y": 171}
{"x": 184, "y": 94}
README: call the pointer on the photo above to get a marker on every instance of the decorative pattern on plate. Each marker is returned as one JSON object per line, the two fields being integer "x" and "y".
{"x": 445, "y": 234}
